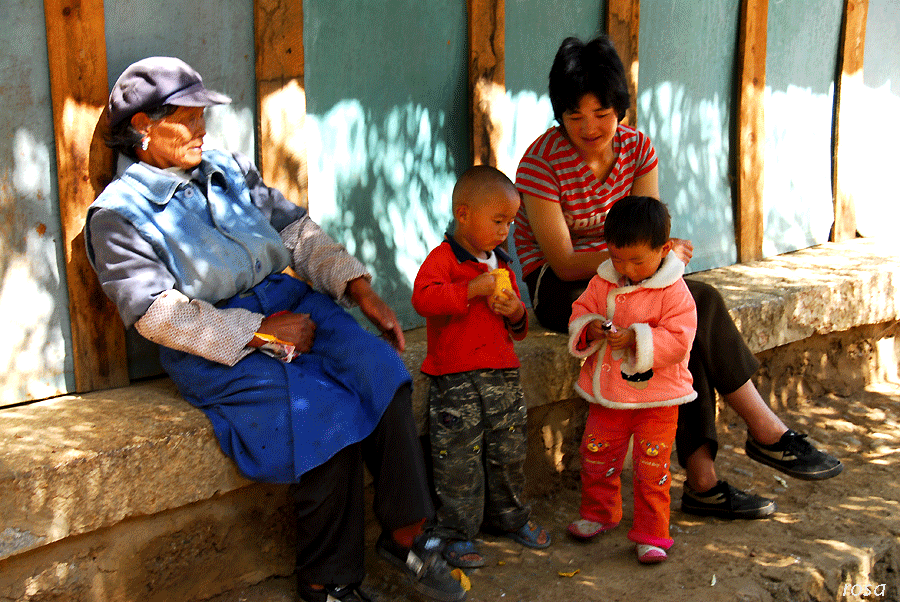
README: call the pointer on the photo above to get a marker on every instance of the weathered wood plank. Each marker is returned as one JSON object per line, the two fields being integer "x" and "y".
{"x": 487, "y": 77}
{"x": 78, "y": 82}
{"x": 751, "y": 128}
{"x": 849, "y": 116}
{"x": 623, "y": 21}
{"x": 281, "y": 98}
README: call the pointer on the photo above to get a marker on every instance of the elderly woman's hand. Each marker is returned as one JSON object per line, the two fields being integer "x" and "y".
{"x": 378, "y": 312}
{"x": 296, "y": 329}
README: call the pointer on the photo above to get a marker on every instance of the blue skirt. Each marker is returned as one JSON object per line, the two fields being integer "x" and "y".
{"x": 277, "y": 420}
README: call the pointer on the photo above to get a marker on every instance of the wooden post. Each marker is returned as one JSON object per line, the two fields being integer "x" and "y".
{"x": 487, "y": 77}
{"x": 751, "y": 128}
{"x": 848, "y": 117}
{"x": 623, "y": 21}
{"x": 78, "y": 83}
{"x": 281, "y": 98}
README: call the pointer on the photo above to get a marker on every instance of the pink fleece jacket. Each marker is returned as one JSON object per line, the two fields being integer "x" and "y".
{"x": 663, "y": 315}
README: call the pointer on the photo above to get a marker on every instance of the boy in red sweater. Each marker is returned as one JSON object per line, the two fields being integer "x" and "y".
{"x": 477, "y": 413}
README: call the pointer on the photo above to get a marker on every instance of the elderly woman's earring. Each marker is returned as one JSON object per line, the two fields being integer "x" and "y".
{"x": 145, "y": 143}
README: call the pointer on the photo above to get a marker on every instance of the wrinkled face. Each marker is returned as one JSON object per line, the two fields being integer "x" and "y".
{"x": 591, "y": 126}
{"x": 484, "y": 226}
{"x": 637, "y": 262}
{"x": 176, "y": 140}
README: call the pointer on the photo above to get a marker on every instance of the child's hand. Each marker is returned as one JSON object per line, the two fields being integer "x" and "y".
{"x": 617, "y": 338}
{"x": 595, "y": 330}
{"x": 481, "y": 285}
{"x": 509, "y": 306}
{"x": 621, "y": 339}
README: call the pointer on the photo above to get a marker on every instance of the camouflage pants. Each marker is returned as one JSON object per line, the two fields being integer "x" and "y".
{"x": 477, "y": 423}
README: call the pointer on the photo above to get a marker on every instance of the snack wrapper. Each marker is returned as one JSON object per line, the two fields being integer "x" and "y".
{"x": 501, "y": 281}
{"x": 277, "y": 348}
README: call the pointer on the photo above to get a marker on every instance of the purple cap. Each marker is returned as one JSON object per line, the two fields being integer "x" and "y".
{"x": 156, "y": 81}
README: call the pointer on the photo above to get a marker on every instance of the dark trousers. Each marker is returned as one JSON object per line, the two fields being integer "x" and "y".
{"x": 720, "y": 359}
{"x": 330, "y": 500}
{"x": 478, "y": 425}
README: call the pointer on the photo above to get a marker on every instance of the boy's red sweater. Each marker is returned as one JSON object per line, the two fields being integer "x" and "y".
{"x": 463, "y": 334}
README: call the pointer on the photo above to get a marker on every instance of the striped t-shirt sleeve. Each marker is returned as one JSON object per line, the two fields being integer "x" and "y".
{"x": 535, "y": 175}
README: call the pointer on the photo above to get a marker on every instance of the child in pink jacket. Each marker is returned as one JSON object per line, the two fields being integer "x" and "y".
{"x": 634, "y": 325}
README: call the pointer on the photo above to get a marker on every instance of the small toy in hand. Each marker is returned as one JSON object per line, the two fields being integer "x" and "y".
{"x": 501, "y": 281}
{"x": 608, "y": 326}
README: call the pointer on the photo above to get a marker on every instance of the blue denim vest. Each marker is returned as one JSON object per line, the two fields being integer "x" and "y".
{"x": 206, "y": 232}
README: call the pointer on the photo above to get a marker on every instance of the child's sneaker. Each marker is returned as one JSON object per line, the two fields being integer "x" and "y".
{"x": 648, "y": 554}
{"x": 585, "y": 529}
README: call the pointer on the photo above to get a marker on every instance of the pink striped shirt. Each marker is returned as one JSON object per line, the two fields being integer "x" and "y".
{"x": 552, "y": 169}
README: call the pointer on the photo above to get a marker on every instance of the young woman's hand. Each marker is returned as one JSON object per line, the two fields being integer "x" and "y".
{"x": 683, "y": 249}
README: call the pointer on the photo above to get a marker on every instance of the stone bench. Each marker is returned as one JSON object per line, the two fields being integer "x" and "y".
{"x": 124, "y": 494}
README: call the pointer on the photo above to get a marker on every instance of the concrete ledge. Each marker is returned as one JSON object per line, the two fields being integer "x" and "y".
{"x": 78, "y": 465}
{"x": 827, "y": 288}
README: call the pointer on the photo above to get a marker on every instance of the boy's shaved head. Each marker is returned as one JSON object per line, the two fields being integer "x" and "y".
{"x": 480, "y": 184}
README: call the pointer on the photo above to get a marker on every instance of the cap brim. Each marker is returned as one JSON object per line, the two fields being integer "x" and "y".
{"x": 197, "y": 96}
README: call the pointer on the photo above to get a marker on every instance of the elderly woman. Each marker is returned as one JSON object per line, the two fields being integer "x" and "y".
{"x": 569, "y": 178}
{"x": 191, "y": 244}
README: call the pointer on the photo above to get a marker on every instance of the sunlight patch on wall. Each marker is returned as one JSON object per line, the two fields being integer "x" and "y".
{"x": 798, "y": 203}
{"x": 873, "y": 159}
{"x": 32, "y": 359}
{"x": 526, "y": 115}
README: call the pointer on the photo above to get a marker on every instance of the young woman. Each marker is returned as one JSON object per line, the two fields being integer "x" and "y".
{"x": 569, "y": 178}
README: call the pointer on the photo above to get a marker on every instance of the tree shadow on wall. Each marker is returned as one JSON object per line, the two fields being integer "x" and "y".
{"x": 393, "y": 202}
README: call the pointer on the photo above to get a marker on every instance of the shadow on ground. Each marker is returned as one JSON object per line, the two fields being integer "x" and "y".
{"x": 828, "y": 540}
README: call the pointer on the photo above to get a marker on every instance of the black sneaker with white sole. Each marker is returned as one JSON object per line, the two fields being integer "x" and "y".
{"x": 725, "y": 501}
{"x": 795, "y": 456}
{"x": 423, "y": 565}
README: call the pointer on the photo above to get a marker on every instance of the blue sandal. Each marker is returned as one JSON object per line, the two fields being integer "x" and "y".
{"x": 456, "y": 551}
{"x": 529, "y": 536}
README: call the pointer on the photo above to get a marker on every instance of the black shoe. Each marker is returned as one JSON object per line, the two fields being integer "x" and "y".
{"x": 340, "y": 593}
{"x": 725, "y": 501}
{"x": 423, "y": 565}
{"x": 795, "y": 456}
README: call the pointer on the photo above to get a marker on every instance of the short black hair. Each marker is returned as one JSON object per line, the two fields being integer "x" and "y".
{"x": 638, "y": 220}
{"x": 592, "y": 67}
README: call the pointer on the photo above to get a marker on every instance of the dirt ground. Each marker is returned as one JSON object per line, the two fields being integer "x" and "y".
{"x": 829, "y": 540}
